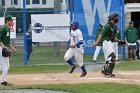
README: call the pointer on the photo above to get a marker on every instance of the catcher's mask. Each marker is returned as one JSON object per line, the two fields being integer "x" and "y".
{"x": 113, "y": 17}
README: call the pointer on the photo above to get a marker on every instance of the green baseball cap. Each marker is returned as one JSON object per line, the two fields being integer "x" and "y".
{"x": 9, "y": 18}
{"x": 131, "y": 22}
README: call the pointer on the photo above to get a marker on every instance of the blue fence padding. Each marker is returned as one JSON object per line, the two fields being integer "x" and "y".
{"x": 82, "y": 13}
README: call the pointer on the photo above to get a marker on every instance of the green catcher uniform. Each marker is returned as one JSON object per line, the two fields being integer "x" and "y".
{"x": 108, "y": 36}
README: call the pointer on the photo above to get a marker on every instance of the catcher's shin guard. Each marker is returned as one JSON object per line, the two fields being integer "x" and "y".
{"x": 104, "y": 69}
{"x": 111, "y": 63}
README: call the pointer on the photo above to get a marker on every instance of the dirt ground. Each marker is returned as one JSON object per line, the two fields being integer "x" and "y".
{"x": 126, "y": 77}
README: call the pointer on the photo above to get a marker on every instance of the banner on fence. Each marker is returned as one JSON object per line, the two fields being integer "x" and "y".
{"x": 12, "y": 28}
{"x": 50, "y": 27}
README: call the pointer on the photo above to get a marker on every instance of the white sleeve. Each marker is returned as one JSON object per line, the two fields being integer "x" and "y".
{"x": 80, "y": 36}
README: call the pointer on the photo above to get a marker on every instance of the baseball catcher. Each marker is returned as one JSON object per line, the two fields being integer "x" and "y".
{"x": 108, "y": 37}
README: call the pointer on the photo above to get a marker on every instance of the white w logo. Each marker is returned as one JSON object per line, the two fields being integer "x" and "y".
{"x": 91, "y": 12}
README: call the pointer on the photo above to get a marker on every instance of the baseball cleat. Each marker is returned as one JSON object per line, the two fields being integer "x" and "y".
{"x": 110, "y": 75}
{"x": 5, "y": 83}
{"x": 72, "y": 68}
{"x": 94, "y": 61}
{"x": 83, "y": 74}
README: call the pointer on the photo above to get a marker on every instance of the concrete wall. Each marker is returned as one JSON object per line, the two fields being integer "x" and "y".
{"x": 127, "y": 20}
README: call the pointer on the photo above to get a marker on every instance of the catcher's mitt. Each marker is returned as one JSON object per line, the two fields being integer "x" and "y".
{"x": 120, "y": 42}
{"x": 6, "y": 52}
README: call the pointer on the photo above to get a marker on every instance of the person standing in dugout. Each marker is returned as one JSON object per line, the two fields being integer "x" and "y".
{"x": 99, "y": 46}
{"x": 5, "y": 43}
{"x": 108, "y": 36}
{"x": 131, "y": 36}
{"x": 75, "y": 49}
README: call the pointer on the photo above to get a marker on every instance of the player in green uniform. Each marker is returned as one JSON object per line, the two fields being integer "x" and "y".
{"x": 131, "y": 38}
{"x": 5, "y": 43}
{"x": 108, "y": 35}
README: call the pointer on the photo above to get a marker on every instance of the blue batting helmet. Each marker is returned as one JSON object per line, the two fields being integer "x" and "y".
{"x": 75, "y": 23}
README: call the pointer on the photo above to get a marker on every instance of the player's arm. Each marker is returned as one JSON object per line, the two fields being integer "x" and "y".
{"x": 98, "y": 40}
{"x": 103, "y": 32}
{"x": 12, "y": 48}
{"x": 79, "y": 43}
{"x": 116, "y": 39}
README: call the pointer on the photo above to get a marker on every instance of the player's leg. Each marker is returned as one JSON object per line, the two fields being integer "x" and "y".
{"x": 108, "y": 48}
{"x": 111, "y": 63}
{"x": 130, "y": 53}
{"x": 96, "y": 53}
{"x": 116, "y": 50}
{"x": 5, "y": 68}
{"x": 105, "y": 55}
{"x": 68, "y": 55}
{"x": 104, "y": 68}
{"x": 134, "y": 49}
{"x": 79, "y": 59}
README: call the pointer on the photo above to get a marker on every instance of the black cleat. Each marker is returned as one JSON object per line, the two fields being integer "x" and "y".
{"x": 94, "y": 61}
{"x": 110, "y": 75}
{"x": 5, "y": 83}
{"x": 83, "y": 74}
{"x": 72, "y": 68}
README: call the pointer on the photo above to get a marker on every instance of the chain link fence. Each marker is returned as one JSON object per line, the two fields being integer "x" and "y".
{"x": 33, "y": 53}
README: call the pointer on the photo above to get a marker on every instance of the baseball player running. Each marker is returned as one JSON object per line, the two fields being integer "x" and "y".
{"x": 5, "y": 43}
{"x": 75, "y": 49}
{"x": 108, "y": 35}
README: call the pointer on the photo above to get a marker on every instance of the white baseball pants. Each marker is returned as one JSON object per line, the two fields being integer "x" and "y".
{"x": 116, "y": 49}
{"x": 77, "y": 53}
{"x": 4, "y": 65}
{"x": 108, "y": 48}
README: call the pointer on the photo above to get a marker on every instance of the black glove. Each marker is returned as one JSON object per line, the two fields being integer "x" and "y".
{"x": 120, "y": 42}
{"x": 6, "y": 52}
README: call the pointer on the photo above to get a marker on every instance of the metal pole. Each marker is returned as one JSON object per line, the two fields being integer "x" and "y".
{"x": 123, "y": 29}
{"x": 24, "y": 29}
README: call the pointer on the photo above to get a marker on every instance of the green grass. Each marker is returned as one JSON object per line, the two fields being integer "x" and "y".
{"x": 44, "y": 55}
{"x": 127, "y": 65}
{"x": 40, "y": 55}
{"x": 85, "y": 88}
{"x": 38, "y": 69}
